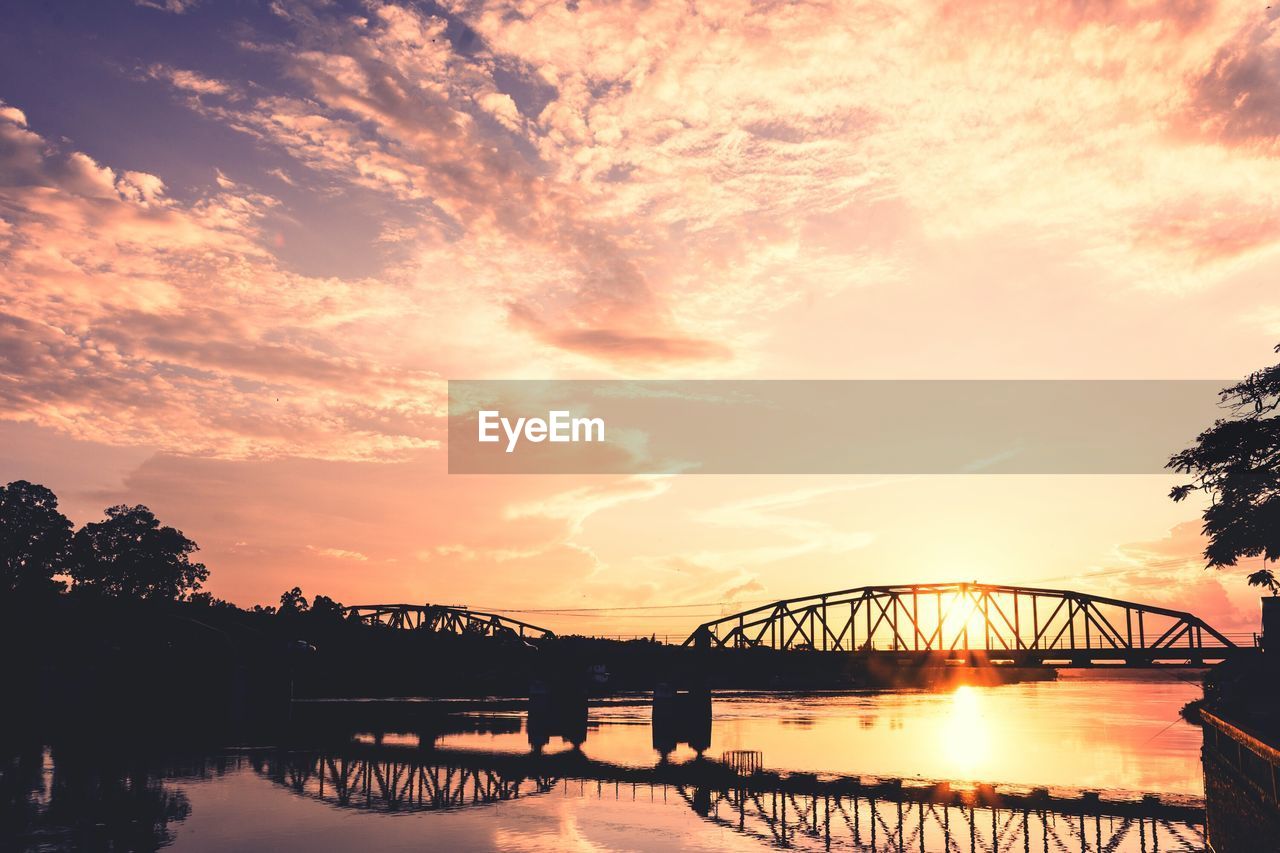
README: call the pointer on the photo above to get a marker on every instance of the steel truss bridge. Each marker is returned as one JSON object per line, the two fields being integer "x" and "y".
{"x": 795, "y": 812}
{"x": 972, "y": 622}
{"x": 443, "y": 618}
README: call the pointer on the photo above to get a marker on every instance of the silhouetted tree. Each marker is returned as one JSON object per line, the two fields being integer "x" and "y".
{"x": 207, "y": 599}
{"x": 130, "y": 555}
{"x": 1267, "y": 578}
{"x": 1237, "y": 462}
{"x": 324, "y": 607}
{"x": 293, "y": 602}
{"x": 34, "y": 537}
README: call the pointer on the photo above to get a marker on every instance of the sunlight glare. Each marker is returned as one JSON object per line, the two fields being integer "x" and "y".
{"x": 965, "y": 735}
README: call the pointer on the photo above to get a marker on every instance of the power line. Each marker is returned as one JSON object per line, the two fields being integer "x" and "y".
{"x": 565, "y": 610}
{"x": 621, "y": 615}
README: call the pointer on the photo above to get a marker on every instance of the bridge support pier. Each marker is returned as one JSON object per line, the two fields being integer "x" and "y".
{"x": 681, "y": 717}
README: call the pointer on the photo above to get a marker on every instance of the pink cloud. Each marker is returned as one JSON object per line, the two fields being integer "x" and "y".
{"x": 856, "y": 189}
{"x": 130, "y": 318}
{"x": 1170, "y": 572}
{"x": 1235, "y": 99}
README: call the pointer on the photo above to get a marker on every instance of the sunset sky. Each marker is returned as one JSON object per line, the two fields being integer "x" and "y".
{"x": 243, "y": 245}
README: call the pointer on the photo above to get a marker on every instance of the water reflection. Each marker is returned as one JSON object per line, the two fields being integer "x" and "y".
{"x": 364, "y": 781}
{"x": 1100, "y": 734}
{"x": 857, "y": 773}
{"x": 86, "y": 799}
{"x": 868, "y": 823}
{"x": 964, "y": 736}
{"x": 793, "y": 812}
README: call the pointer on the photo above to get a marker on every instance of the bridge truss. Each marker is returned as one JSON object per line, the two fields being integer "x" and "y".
{"x": 962, "y": 621}
{"x": 443, "y": 618}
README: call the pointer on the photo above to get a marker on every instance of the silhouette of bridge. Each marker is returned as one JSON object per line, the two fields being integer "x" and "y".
{"x": 921, "y": 624}
{"x": 443, "y": 618}
{"x": 972, "y": 622}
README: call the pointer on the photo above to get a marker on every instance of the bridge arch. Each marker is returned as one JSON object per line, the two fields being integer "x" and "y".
{"x": 443, "y": 618}
{"x": 947, "y": 621}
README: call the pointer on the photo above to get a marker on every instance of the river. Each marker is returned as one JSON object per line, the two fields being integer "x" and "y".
{"x": 1111, "y": 736}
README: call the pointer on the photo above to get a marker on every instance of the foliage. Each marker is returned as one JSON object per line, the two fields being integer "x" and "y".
{"x": 324, "y": 607}
{"x": 1237, "y": 463}
{"x": 207, "y": 599}
{"x": 1267, "y": 578}
{"x": 34, "y": 537}
{"x": 130, "y": 555}
{"x": 293, "y": 602}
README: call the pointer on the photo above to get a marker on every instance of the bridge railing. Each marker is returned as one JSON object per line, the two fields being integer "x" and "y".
{"x": 1241, "y": 639}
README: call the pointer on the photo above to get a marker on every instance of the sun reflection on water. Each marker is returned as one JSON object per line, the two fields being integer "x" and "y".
{"x": 965, "y": 735}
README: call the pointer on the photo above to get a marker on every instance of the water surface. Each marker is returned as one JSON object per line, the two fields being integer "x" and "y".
{"x": 1077, "y": 734}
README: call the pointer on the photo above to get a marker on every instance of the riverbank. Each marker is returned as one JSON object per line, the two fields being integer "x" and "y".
{"x": 194, "y": 664}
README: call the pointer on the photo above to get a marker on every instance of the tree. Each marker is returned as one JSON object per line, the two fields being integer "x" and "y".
{"x": 208, "y": 599}
{"x": 1237, "y": 463}
{"x": 324, "y": 607}
{"x": 130, "y": 555}
{"x": 34, "y": 538}
{"x": 1267, "y": 578}
{"x": 293, "y": 602}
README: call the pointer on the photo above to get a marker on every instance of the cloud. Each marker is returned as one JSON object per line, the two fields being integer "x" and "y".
{"x": 977, "y": 117}
{"x": 188, "y": 81}
{"x": 176, "y": 7}
{"x": 391, "y": 105}
{"x": 130, "y": 318}
{"x": 607, "y": 189}
{"x": 576, "y": 505}
{"x": 618, "y": 345}
{"x": 1170, "y": 572}
{"x": 13, "y": 115}
{"x": 338, "y": 554}
{"x": 1236, "y": 99}
{"x": 739, "y": 590}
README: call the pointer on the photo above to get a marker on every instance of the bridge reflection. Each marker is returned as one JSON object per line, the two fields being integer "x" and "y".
{"x": 796, "y": 811}
{"x": 392, "y": 785}
{"x": 888, "y": 824}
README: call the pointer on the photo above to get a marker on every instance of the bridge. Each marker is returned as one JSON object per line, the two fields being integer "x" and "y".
{"x": 445, "y": 619}
{"x": 921, "y": 624}
{"x": 971, "y": 622}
